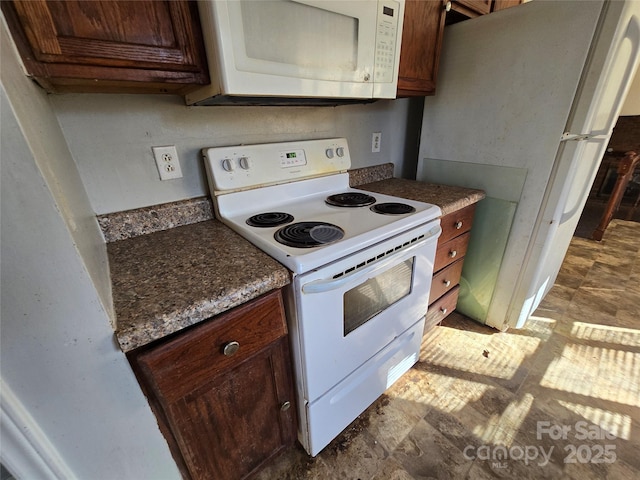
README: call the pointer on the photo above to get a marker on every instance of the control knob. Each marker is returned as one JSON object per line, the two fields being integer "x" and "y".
{"x": 329, "y": 152}
{"x": 340, "y": 151}
{"x": 244, "y": 163}
{"x": 227, "y": 165}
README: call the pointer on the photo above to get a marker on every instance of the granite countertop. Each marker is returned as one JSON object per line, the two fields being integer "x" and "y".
{"x": 171, "y": 279}
{"x": 449, "y": 199}
{"x": 173, "y": 265}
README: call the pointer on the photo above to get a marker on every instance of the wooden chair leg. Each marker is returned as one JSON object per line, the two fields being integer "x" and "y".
{"x": 625, "y": 171}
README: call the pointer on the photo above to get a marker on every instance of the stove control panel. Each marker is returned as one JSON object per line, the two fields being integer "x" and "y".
{"x": 249, "y": 166}
{"x": 292, "y": 158}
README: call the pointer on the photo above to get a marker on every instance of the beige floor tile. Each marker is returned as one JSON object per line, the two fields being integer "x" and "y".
{"x": 426, "y": 453}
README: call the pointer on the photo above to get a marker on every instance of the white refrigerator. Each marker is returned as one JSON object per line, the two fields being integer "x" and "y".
{"x": 525, "y": 104}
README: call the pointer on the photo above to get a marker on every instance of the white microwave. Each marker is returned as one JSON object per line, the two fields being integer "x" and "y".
{"x": 298, "y": 50}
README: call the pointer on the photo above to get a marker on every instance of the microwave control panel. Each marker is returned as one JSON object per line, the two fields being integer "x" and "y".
{"x": 386, "y": 40}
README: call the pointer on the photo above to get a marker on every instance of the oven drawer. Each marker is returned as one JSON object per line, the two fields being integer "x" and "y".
{"x": 441, "y": 308}
{"x": 457, "y": 223}
{"x": 445, "y": 280}
{"x": 451, "y": 251}
{"x": 335, "y": 410}
{"x": 208, "y": 349}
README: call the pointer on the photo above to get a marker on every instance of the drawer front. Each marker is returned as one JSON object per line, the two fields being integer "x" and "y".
{"x": 451, "y": 251}
{"x": 445, "y": 280}
{"x": 457, "y": 223}
{"x": 194, "y": 357}
{"x": 441, "y": 308}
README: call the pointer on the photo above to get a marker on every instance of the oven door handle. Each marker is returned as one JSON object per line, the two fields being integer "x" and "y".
{"x": 325, "y": 285}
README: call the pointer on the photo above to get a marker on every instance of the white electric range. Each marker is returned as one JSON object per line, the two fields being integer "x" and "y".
{"x": 361, "y": 268}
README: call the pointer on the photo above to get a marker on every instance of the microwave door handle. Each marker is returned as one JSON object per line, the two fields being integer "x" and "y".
{"x": 325, "y": 285}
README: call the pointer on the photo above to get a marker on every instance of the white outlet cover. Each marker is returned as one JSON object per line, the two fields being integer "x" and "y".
{"x": 376, "y": 139}
{"x": 167, "y": 162}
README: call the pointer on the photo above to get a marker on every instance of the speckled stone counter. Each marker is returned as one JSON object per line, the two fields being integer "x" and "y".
{"x": 379, "y": 179}
{"x": 168, "y": 280}
{"x": 449, "y": 199}
{"x": 141, "y": 221}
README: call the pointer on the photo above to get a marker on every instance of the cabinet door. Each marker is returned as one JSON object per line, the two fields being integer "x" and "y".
{"x": 230, "y": 427}
{"x": 77, "y": 45}
{"x": 421, "y": 44}
{"x": 224, "y": 411}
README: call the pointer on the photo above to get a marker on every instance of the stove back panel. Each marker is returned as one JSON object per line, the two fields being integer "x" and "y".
{"x": 250, "y": 166}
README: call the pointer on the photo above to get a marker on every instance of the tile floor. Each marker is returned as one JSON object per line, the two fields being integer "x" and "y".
{"x": 559, "y": 399}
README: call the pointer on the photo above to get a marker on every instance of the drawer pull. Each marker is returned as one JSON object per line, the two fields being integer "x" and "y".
{"x": 447, "y": 6}
{"x": 458, "y": 224}
{"x": 446, "y": 282}
{"x": 453, "y": 253}
{"x": 230, "y": 348}
{"x": 285, "y": 406}
{"x": 443, "y": 310}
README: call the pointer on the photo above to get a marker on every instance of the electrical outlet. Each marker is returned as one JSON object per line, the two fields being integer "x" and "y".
{"x": 167, "y": 162}
{"x": 376, "y": 139}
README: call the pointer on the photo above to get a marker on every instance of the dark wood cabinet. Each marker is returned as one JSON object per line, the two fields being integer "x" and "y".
{"x": 222, "y": 391}
{"x": 109, "y": 46}
{"x": 421, "y": 44}
{"x": 466, "y": 9}
{"x": 452, "y": 247}
{"x": 471, "y": 8}
{"x": 502, "y": 4}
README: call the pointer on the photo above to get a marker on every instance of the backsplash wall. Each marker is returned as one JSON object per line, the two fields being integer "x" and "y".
{"x": 110, "y": 138}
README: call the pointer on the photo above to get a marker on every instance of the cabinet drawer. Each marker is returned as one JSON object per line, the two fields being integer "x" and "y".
{"x": 194, "y": 357}
{"x": 445, "y": 280}
{"x": 441, "y": 308}
{"x": 451, "y": 251}
{"x": 456, "y": 223}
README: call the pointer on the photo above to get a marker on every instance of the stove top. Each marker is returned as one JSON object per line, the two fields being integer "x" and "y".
{"x": 304, "y": 202}
{"x": 301, "y": 223}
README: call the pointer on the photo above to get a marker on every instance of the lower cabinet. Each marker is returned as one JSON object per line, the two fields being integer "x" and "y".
{"x": 222, "y": 390}
{"x": 452, "y": 247}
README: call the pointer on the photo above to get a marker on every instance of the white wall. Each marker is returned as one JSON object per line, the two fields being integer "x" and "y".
{"x": 58, "y": 356}
{"x": 54, "y": 160}
{"x": 110, "y": 137}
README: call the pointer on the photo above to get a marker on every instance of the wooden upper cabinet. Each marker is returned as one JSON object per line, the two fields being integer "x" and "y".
{"x": 421, "y": 44}
{"x": 502, "y": 4}
{"x": 471, "y": 8}
{"x": 126, "y": 46}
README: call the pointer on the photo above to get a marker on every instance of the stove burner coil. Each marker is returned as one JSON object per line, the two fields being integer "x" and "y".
{"x": 350, "y": 199}
{"x": 308, "y": 234}
{"x": 392, "y": 208}
{"x": 269, "y": 219}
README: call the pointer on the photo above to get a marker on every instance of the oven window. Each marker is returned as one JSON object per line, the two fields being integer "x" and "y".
{"x": 368, "y": 299}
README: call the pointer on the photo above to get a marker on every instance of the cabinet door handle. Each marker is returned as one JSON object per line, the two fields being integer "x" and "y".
{"x": 443, "y": 310}
{"x": 230, "y": 348}
{"x": 458, "y": 224}
{"x": 447, "y": 6}
{"x": 446, "y": 282}
{"x": 285, "y": 406}
{"x": 453, "y": 253}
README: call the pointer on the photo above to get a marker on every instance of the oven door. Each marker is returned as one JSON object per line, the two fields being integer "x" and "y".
{"x": 349, "y": 310}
